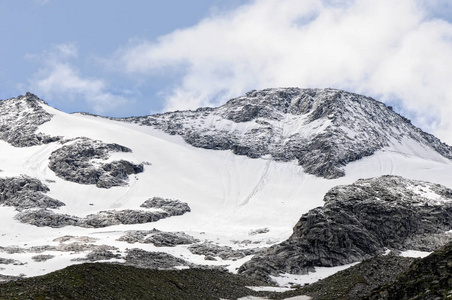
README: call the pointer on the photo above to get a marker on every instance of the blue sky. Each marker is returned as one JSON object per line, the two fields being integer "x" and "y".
{"x": 122, "y": 58}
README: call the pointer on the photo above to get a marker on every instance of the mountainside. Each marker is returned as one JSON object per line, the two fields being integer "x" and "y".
{"x": 104, "y": 281}
{"x": 215, "y": 187}
{"x": 359, "y": 221}
{"x": 323, "y": 129}
{"x": 429, "y": 278}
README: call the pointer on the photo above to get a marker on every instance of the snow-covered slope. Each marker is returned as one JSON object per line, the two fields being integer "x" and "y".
{"x": 237, "y": 204}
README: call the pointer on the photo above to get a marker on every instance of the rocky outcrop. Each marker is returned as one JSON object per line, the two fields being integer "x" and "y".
{"x": 46, "y": 217}
{"x": 9, "y": 261}
{"x": 359, "y": 280}
{"x": 427, "y": 278}
{"x": 100, "y": 253}
{"x": 359, "y": 221}
{"x": 171, "y": 206}
{"x": 81, "y": 161}
{"x": 211, "y": 251}
{"x": 323, "y": 129}
{"x": 73, "y": 244}
{"x": 19, "y": 120}
{"x": 42, "y": 257}
{"x": 153, "y": 260}
{"x": 25, "y": 192}
{"x": 158, "y": 238}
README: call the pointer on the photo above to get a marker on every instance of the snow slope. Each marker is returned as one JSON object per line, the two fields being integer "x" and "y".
{"x": 235, "y": 201}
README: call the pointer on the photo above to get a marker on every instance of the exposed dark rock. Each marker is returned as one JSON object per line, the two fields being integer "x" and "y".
{"x": 427, "y": 278}
{"x": 45, "y": 217}
{"x": 172, "y": 207}
{"x": 76, "y": 162}
{"x": 109, "y": 218}
{"x": 12, "y": 249}
{"x": 76, "y": 245}
{"x": 359, "y": 221}
{"x": 223, "y": 252}
{"x": 158, "y": 238}
{"x": 100, "y": 253}
{"x": 324, "y": 129}
{"x": 42, "y": 257}
{"x": 20, "y": 118}
{"x": 8, "y": 261}
{"x": 25, "y": 192}
{"x": 357, "y": 281}
{"x": 153, "y": 260}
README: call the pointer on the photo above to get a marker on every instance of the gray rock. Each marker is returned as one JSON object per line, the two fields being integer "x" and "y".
{"x": 359, "y": 221}
{"x": 158, "y": 238}
{"x": 46, "y": 217}
{"x": 153, "y": 260}
{"x": 42, "y": 257}
{"x": 8, "y": 261}
{"x": 172, "y": 207}
{"x": 101, "y": 254}
{"x": 75, "y": 162}
{"x": 211, "y": 250}
{"x": 334, "y": 127}
{"x": 25, "y": 192}
{"x": 20, "y": 118}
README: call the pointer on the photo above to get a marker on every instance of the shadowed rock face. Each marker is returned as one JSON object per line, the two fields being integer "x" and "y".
{"x": 359, "y": 221}
{"x": 76, "y": 162}
{"x": 323, "y": 129}
{"x": 359, "y": 280}
{"x": 427, "y": 278}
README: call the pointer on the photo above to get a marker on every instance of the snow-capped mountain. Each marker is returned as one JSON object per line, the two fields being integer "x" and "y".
{"x": 323, "y": 129}
{"x": 211, "y": 187}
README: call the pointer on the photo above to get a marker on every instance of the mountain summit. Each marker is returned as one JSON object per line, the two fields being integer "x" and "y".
{"x": 323, "y": 129}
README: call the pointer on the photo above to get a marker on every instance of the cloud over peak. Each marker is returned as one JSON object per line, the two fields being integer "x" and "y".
{"x": 392, "y": 50}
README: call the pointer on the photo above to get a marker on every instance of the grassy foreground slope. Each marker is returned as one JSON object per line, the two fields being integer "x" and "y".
{"x": 111, "y": 281}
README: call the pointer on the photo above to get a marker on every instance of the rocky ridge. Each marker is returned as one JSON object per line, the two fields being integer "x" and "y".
{"x": 19, "y": 120}
{"x": 46, "y": 217}
{"x": 358, "y": 221}
{"x": 323, "y": 129}
{"x": 76, "y": 161}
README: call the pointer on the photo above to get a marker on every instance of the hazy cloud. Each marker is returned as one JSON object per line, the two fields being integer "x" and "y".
{"x": 392, "y": 50}
{"x": 59, "y": 81}
{"x": 41, "y": 2}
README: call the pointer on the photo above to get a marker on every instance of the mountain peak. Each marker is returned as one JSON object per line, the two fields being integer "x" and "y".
{"x": 30, "y": 97}
{"x": 323, "y": 129}
{"x": 20, "y": 118}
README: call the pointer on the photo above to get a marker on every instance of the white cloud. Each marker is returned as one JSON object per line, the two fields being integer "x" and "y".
{"x": 387, "y": 49}
{"x": 60, "y": 81}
